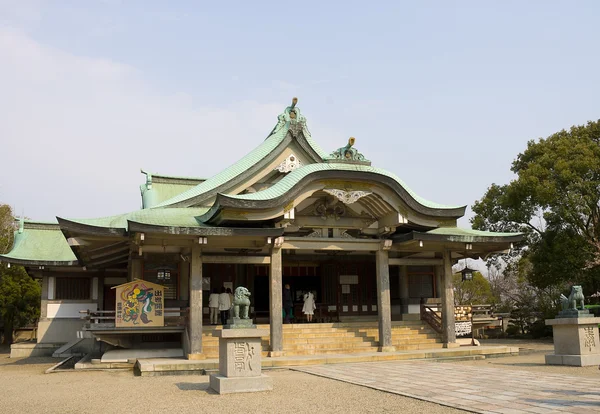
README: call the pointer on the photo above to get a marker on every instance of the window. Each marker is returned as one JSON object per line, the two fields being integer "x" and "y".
{"x": 73, "y": 288}
{"x": 166, "y": 275}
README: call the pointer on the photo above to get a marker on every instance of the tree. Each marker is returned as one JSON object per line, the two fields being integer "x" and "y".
{"x": 472, "y": 292}
{"x": 555, "y": 202}
{"x": 19, "y": 294}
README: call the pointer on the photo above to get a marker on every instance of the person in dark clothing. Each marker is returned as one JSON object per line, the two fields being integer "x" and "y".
{"x": 288, "y": 303}
{"x": 224, "y": 305}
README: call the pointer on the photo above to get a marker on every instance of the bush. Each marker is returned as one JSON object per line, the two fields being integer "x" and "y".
{"x": 595, "y": 309}
{"x": 539, "y": 329}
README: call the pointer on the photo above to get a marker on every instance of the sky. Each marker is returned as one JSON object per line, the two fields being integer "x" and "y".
{"x": 443, "y": 94}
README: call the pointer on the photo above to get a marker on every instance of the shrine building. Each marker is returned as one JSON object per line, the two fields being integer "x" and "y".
{"x": 288, "y": 212}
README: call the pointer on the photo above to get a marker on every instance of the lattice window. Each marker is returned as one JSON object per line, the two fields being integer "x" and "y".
{"x": 73, "y": 288}
{"x": 165, "y": 274}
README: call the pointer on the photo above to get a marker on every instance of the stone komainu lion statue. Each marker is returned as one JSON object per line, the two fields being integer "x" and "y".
{"x": 241, "y": 303}
{"x": 571, "y": 301}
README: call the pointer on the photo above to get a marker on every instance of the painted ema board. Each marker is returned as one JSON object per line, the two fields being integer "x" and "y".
{"x": 139, "y": 304}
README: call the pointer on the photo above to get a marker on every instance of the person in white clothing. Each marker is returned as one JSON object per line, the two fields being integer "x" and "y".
{"x": 213, "y": 305}
{"x": 309, "y": 306}
{"x": 224, "y": 305}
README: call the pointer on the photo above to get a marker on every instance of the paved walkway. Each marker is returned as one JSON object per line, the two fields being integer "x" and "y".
{"x": 470, "y": 388}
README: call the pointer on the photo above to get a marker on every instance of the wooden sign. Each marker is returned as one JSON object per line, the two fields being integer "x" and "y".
{"x": 139, "y": 304}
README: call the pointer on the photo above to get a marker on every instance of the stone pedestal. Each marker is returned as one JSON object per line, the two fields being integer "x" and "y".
{"x": 576, "y": 341}
{"x": 240, "y": 362}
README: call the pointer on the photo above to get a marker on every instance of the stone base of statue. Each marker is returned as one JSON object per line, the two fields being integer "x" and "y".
{"x": 240, "y": 360}
{"x": 576, "y": 339}
{"x": 239, "y": 323}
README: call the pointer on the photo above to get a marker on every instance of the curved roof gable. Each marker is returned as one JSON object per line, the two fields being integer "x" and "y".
{"x": 291, "y": 126}
{"x": 285, "y": 190}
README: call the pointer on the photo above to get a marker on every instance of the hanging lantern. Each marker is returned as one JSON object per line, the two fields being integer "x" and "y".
{"x": 467, "y": 272}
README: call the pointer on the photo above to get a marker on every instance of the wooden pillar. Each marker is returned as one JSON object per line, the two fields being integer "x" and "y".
{"x": 439, "y": 285}
{"x": 276, "y": 303}
{"x": 135, "y": 269}
{"x": 404, "y": 297}
{"x": 384, "y": 309}
{"x": 195, "y": 322}
{"x": 448, "y": 320}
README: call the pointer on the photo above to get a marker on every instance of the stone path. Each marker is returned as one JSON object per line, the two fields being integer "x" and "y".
{"x": 470, "y": 388}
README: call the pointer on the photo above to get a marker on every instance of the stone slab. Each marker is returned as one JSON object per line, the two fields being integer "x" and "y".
{"x": 32, "y": 349}
{"x": 573, "y": 321}
{"x": 241, "y": 333}
{"x": 161, "y": 366}
{"x": 238, "y": 323}
{"x": 240, "y": 357}
{"x": 225, "y": 385}
{"x": 479, "y": 389}
{"x": 125, "y": 355}
{"x": 579, "y": 337}
{"x": 573, "y": 360}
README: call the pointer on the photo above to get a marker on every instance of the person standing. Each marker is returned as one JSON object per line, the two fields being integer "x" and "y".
{"x": 309, "y": 306}
{"x": 288, "y": 303}
{"x": 230, "y": 312}
{"x": 224, "y": 305}
{"x": 213, "y": 305}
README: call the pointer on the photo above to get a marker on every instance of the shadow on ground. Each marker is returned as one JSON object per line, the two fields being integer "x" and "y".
{"x": 195, "y": 386}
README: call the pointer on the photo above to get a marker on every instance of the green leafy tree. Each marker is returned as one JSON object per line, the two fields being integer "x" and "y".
{"x": 555, "y": 201}
{"x": 472, "y": 292}
{"x": 19, "y": 294}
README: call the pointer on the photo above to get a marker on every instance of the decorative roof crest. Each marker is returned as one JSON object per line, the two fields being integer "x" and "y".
{"x": 348, "y": 154}
{"x": 291, "y": 163}
{"x": 347, "y": 197}
{"x": 294, "y": 119}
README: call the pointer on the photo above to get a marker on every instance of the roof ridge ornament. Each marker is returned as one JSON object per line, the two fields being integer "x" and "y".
{"x": 295, "y": 121}
{"x": 348, "y": 154}
{"x": 291, "y": 163}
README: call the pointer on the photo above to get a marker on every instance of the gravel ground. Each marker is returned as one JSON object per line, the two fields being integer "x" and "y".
{"x": 25, "y": 388}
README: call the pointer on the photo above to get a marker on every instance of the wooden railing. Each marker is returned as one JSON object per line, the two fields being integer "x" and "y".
{"x": 430, "y": 315}
{"x": 106, "y": 319}
{"x": 476, "y": 315}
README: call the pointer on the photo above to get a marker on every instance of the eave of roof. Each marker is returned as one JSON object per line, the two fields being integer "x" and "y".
{"x": 286, "y": 188}
{"x": 178, "y": 217}
{"x": 40, "y": 244}
{"x": 455, "y": 234}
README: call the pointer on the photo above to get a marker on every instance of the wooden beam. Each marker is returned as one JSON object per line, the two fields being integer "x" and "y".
{"x": 303, "y": 243}
{"x": 237, "y": 259}
{"x": 415, "y": 262}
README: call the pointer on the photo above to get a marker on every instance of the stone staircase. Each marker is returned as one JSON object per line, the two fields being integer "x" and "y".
{"x": 339, "y": 338}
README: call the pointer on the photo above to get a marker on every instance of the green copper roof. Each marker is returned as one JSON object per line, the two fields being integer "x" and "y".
{"x": 40, "y": 242}
{"x": 263, "y": 150}
{"x": 287, "y": 182}
{"x": 179, "y": 217}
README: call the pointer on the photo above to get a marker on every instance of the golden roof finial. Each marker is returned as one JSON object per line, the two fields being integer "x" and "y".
{"x": 351, "y": 141}
{"x": 294, "y": 102}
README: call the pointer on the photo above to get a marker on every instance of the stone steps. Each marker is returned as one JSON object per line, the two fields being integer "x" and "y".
{"x": 171, "y": 366}
{"x": 339, "y": 338}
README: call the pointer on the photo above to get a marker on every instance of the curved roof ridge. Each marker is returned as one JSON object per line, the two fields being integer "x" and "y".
{"x": 293, "y": 177}
{"x": 183, "y": 216}
{"x": 174, "y": 177}
{"x": 232, "y": 171}
{"x": 291, "y": 120}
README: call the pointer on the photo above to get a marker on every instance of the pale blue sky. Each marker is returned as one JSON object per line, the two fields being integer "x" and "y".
{"x": 444, "y": 94}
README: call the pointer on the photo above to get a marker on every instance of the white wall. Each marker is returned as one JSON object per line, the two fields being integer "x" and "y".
{"x": 68, "y": 310}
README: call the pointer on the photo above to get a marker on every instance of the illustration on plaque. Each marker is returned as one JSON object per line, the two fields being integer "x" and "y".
{"x": 139, "y": 303}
